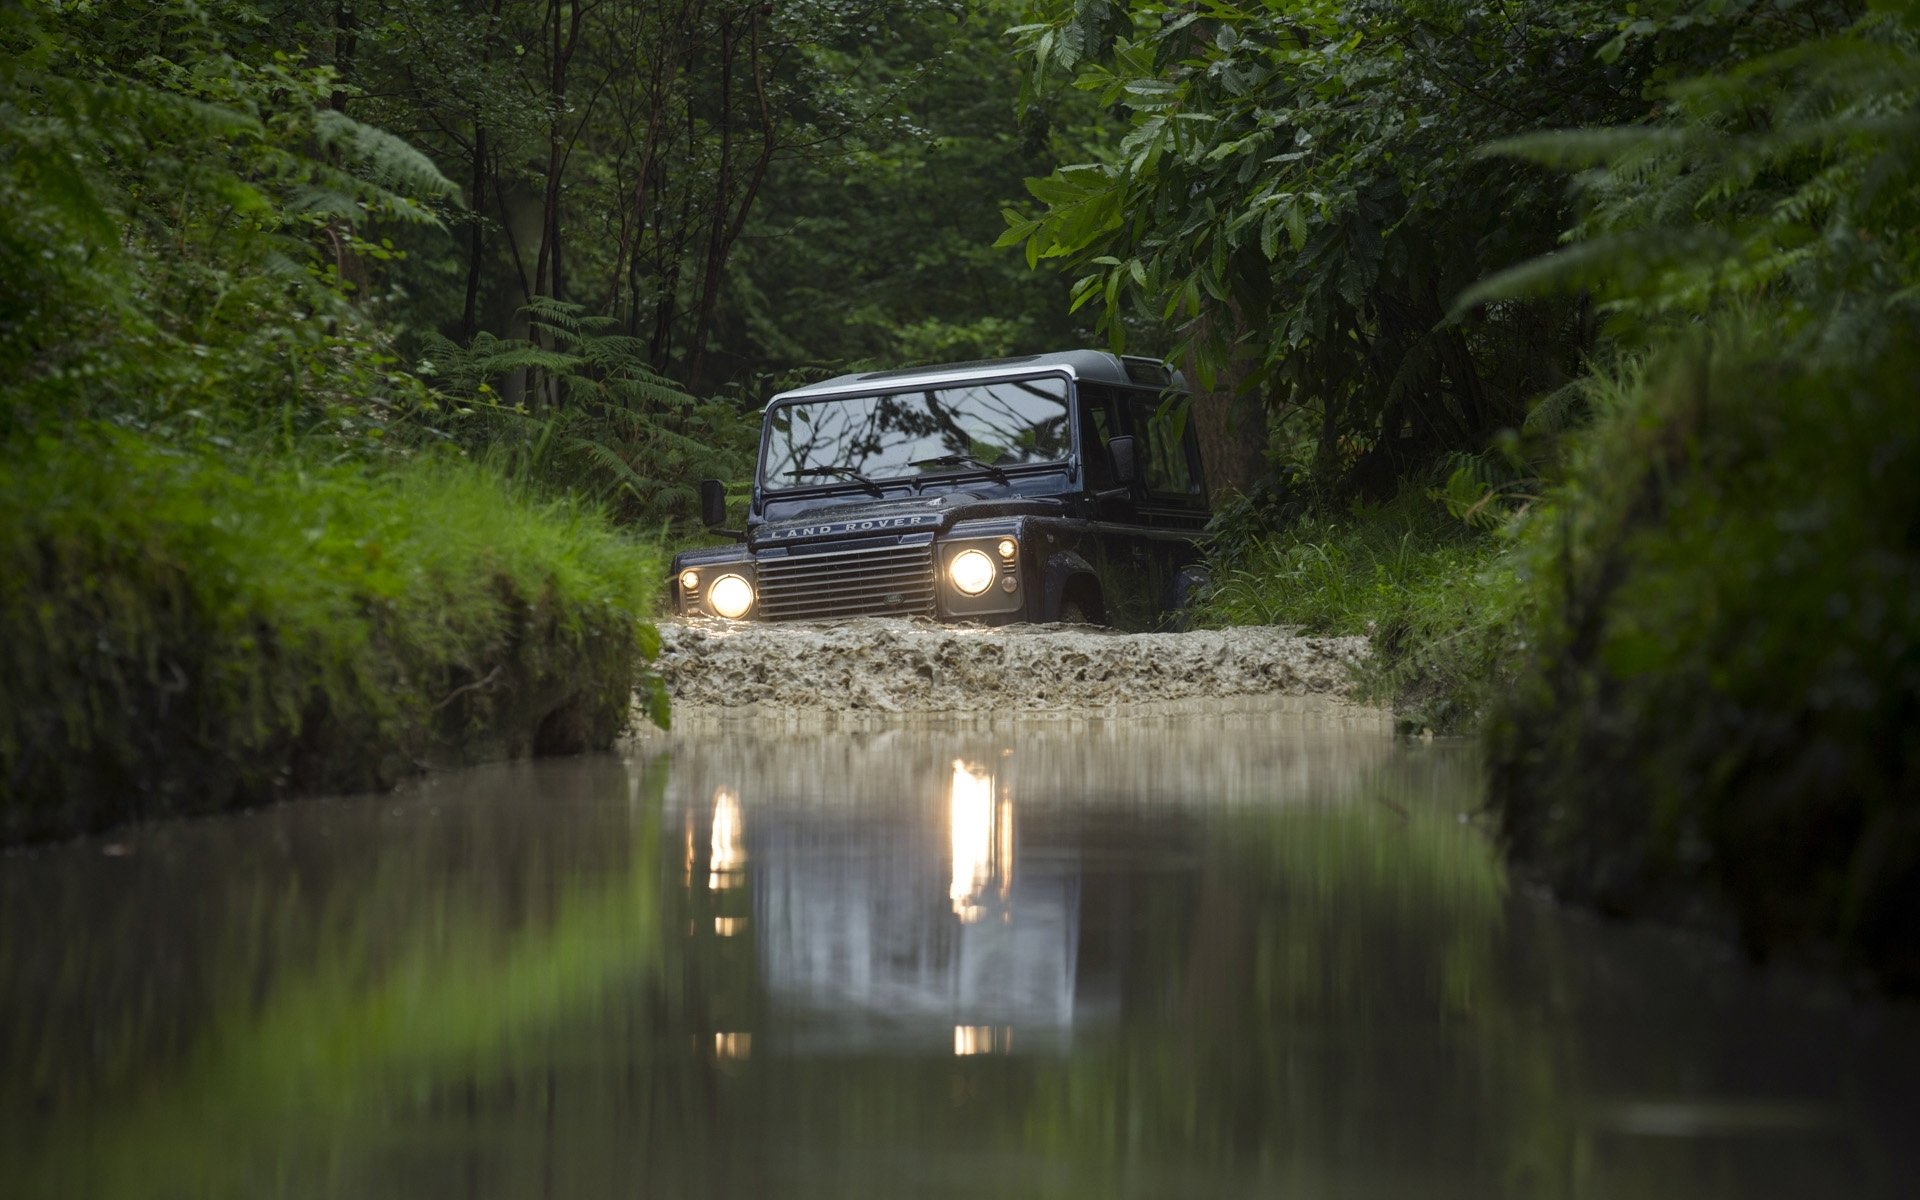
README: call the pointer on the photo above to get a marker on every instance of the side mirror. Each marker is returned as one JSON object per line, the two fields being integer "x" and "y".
{"x": 1121, "y": 456}
{"x": 713, "y": 503}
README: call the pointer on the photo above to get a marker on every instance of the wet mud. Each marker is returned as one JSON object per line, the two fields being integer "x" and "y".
{"x": 844, "y": 672}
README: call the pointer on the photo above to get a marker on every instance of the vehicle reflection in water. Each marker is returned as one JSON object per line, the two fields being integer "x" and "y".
{"x": 853, "y": 946}
{"x": 1049, "y": 959}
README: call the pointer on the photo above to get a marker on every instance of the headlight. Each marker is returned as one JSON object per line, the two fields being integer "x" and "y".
{"x": 690, "y": 580}
{"x": 1008, "y": 548}
{"x": 730, "y": 596}
{"x": 971, "y": 571}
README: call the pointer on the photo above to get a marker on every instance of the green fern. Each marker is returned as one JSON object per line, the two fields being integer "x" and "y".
{"x": 1794, "y": 175}
{"x": 620, "y": 433}
{"x": 400, "y": 171}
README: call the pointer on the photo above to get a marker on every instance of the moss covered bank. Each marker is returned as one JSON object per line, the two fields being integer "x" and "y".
{"x": 1719, "y": 712}
{"x": 186, "y": 630}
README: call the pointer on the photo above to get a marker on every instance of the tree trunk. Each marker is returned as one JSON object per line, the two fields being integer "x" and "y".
{"x": 717, "y": 216}
{"x": 476, "y": 235}
{"x": 549, "y": 279}
{"x": 664, "y": 74}
{"x": 1230, "y": 419}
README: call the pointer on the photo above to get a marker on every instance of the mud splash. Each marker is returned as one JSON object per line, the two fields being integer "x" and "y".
{"x": 879, "y": 667}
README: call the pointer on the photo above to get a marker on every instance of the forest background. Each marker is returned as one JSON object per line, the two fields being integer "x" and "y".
{"x": 356, "y": 355}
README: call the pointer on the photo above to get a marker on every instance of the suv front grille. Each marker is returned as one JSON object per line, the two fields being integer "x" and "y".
{"x": 891, "y": 581}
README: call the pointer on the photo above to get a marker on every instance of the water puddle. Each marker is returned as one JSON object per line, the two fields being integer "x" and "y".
{"x": 1216, "y": 954}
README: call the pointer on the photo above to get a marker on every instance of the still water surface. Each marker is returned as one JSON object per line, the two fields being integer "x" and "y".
{"x": 1217, "y": 957}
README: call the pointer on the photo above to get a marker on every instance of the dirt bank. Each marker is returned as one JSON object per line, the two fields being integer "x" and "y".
{"x": 879, "y": 667}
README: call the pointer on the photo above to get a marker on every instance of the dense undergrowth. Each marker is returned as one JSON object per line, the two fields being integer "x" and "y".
{"x": 1694, "y": 660}
{"x": 1435, "y": 596}
{"x": 1694, "y": 640}
{"x": 185, "y": 633}
{"x": 237, "y": 559}
{"x": 1716, "y": 717}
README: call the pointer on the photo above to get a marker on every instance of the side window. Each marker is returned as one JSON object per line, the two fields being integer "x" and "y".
{"x": 1097, "y": 421}
{"x": 1163, "y": 450}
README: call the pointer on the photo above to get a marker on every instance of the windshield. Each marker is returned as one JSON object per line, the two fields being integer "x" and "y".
{"x": 908, "y": 434}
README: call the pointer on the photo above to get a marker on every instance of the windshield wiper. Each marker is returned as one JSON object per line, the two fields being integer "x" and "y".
{"x": 839, "y": 473}
{"x": 963, "y": 460}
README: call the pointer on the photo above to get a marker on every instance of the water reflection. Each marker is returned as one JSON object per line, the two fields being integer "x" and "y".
{"x": 725, "y": 854}
{"x": 981, "y": 838}
{"x": 869, "y": 934}
{"x": 1050, "y": 960}
{"x": 981, "y": 1039}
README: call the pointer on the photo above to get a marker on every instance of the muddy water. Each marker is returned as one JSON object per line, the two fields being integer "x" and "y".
{"x": 1227, "y": 955}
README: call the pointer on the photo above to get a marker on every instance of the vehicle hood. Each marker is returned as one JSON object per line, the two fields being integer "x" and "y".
{"x": 891, "y": 516}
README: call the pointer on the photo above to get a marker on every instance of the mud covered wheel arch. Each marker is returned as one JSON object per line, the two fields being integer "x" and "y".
{"x": 1081, "y": 602}
{"x": 1072, "y": 583}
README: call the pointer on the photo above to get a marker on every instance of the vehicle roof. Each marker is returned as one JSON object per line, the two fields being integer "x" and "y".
{"x": 1127, "y": 370}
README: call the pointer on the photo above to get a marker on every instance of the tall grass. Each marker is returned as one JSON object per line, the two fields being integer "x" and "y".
{"x": 1435, "y": 596}
{"x": 181, "y": 631}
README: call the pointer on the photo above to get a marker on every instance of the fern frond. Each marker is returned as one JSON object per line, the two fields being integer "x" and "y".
{"x": 1615, "y": 262}
{"x": 611, "y": 462}
{"x": 385, "y": 159}
{"x": 515, "y": 356}
{"x": 313, "y": 200}
{"x": 1560, "y": 409}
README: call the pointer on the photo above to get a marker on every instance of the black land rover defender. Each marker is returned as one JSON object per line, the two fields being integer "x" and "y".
{"x": 1057, "y": 487}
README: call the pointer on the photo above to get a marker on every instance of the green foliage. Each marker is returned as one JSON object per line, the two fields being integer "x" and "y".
{"x": 1299, "y": 189}
{"x": 881, "y": 252}
{"x": 186, "y": 218}
{"x": 1721, "y": 616}
{"x": 747, "y": 189}
{"x": 1794, "y": 177}
{"x": 606, "y": 426}
{"x": 184, "y": 634}
{"x": 1437, "y": 600}
{"x": 216, "y": 584}
{"x": 1724, "y": 669}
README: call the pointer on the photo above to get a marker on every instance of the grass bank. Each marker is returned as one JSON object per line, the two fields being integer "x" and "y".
{"x": 1694, "y": 662}
{"x": 1716, "y": 718}
{"x": 186, "y": 630}
{"x": 1436, "y": 597}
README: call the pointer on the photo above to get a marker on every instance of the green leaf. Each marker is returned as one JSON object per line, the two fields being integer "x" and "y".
{"x": 1619, "y": 262}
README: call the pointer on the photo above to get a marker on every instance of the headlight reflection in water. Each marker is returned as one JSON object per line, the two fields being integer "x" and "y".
{"x": 727, "y": 855}
{"x": 980, "y": 834}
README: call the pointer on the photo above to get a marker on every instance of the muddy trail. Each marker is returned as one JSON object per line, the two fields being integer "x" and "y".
{"x": 881, "y": 667}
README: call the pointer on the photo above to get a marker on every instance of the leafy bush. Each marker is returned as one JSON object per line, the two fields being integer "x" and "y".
{"x": 1723, "y": 618}
{"x": 594, "y": 419}
{"x": 184, "y": 634}
{"x": 189, "y": 222}
{"x": 1300, "y": 194}
{"x": 1725, "y": 670}
{"x": 195, "y": 611}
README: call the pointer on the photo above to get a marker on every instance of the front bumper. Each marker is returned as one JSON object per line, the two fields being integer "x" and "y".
{"x": 894, "y": 578}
